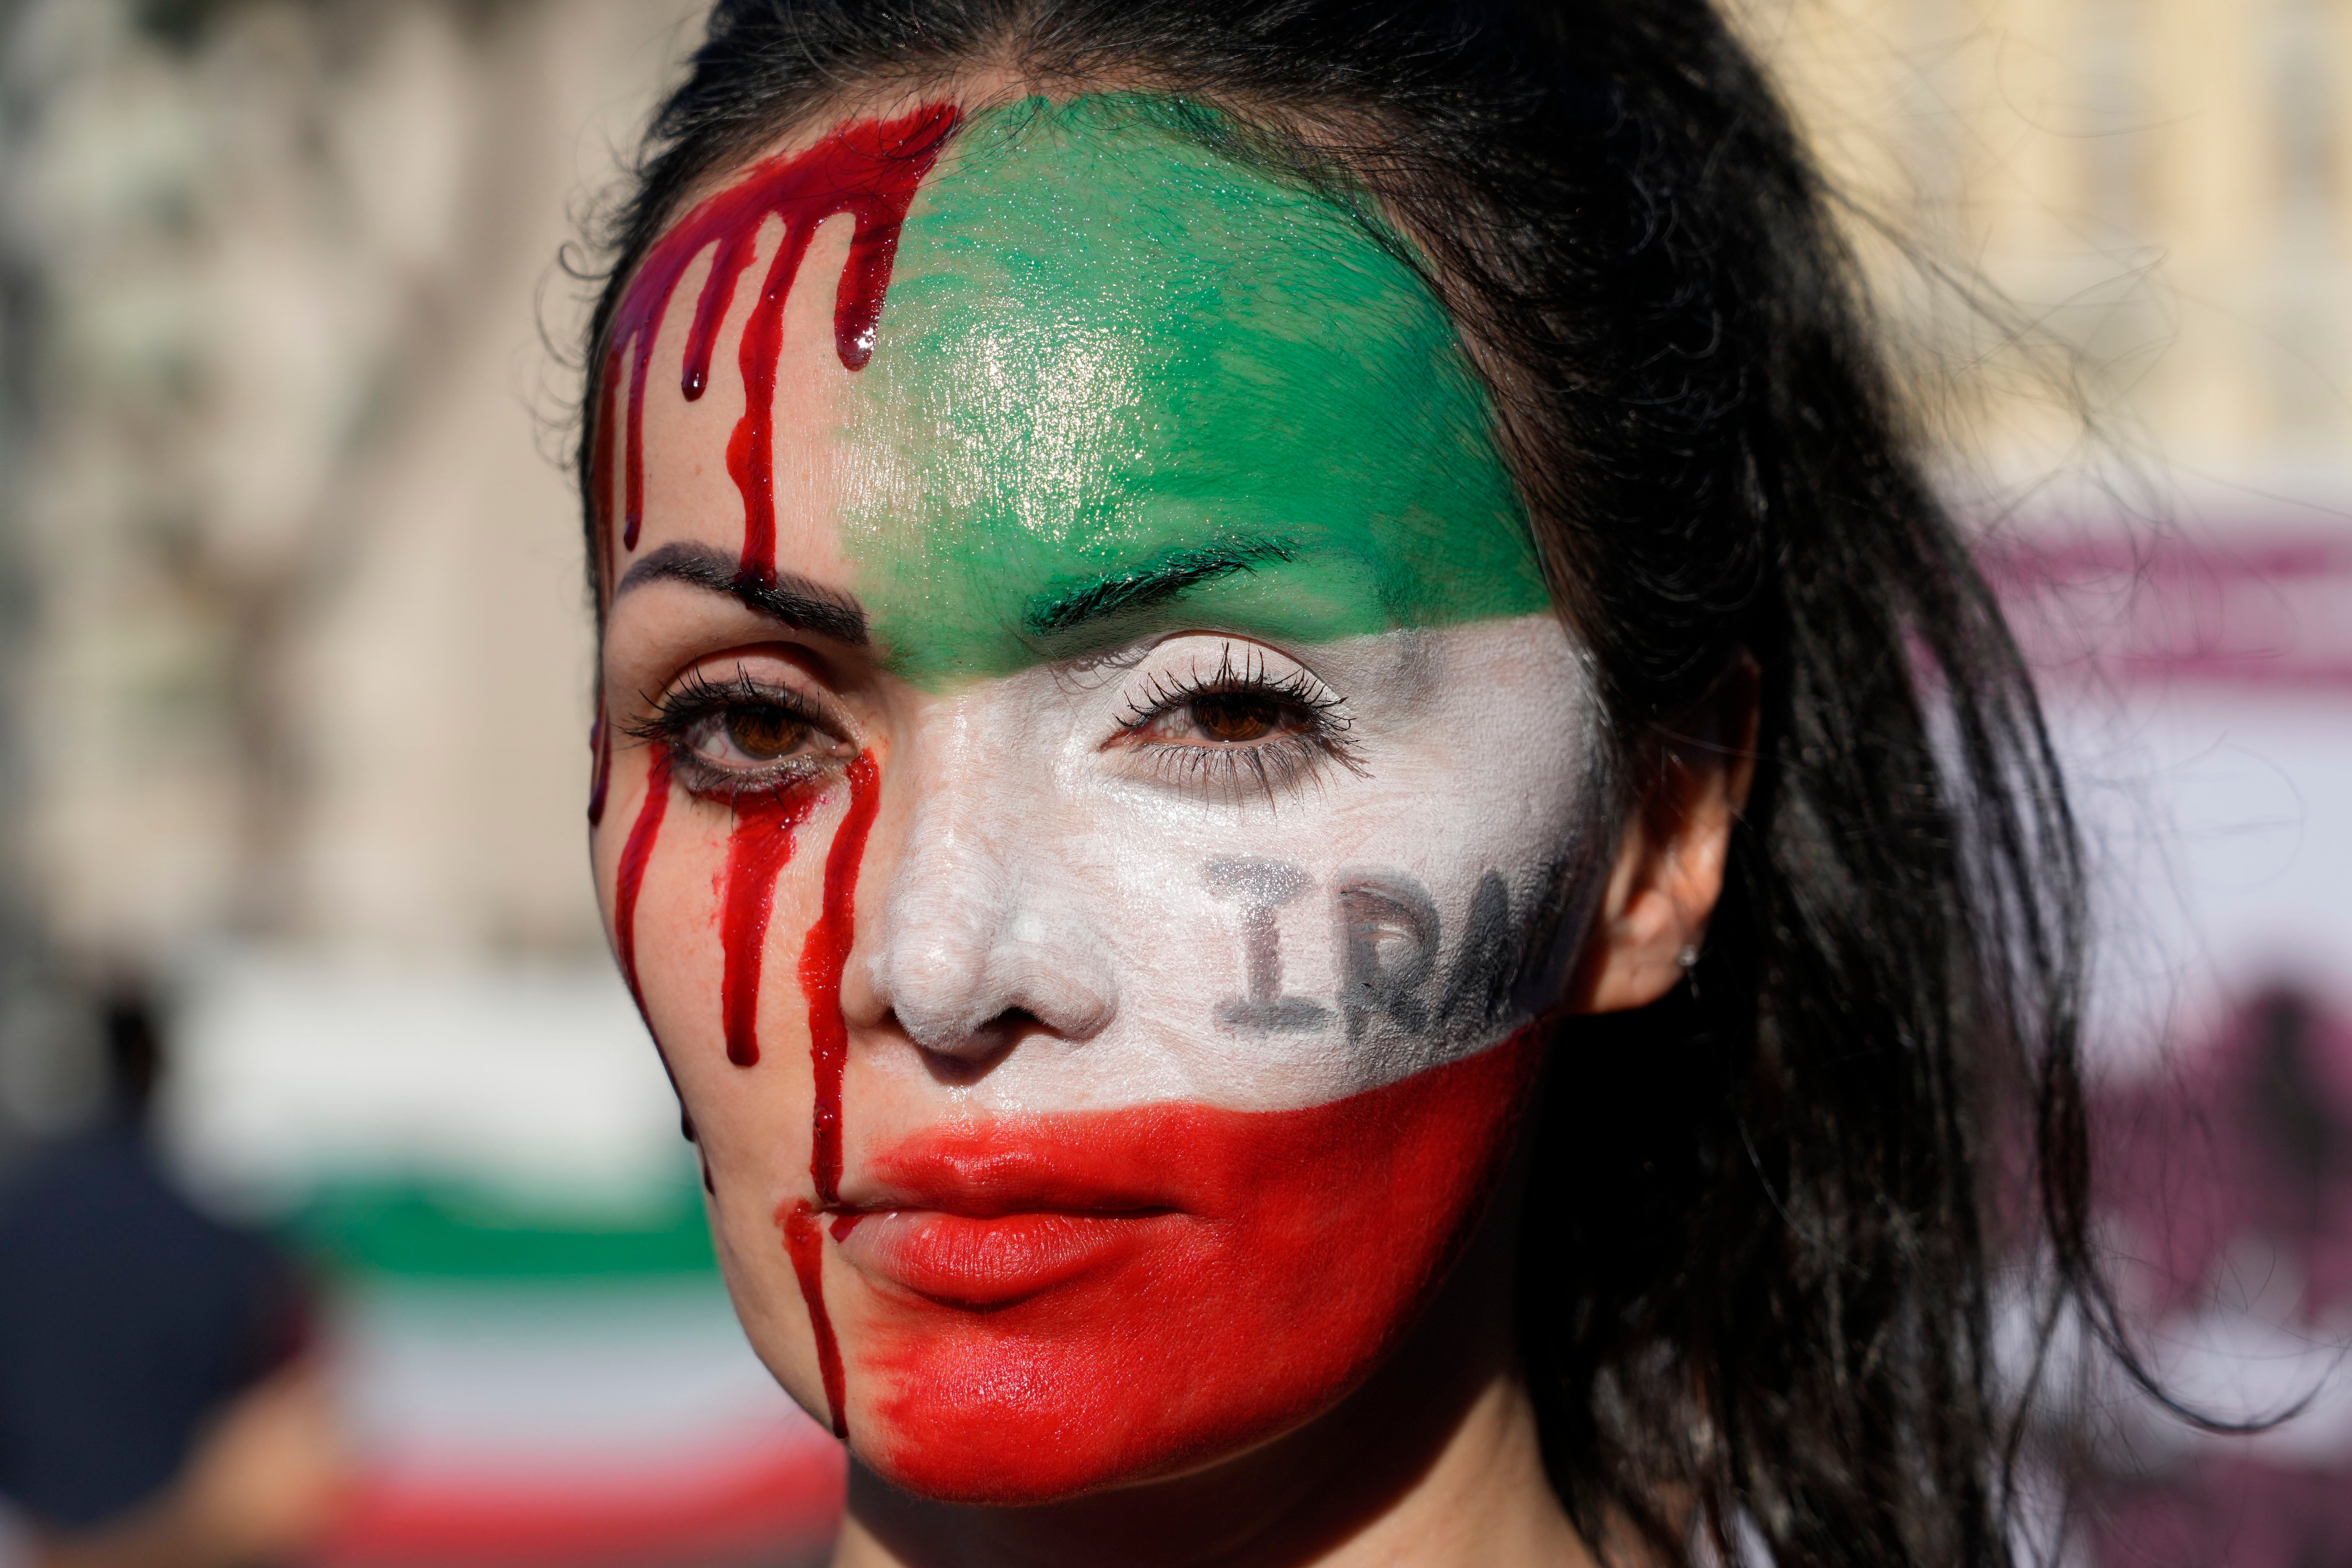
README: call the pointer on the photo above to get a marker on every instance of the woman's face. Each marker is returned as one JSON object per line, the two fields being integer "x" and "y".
{"x": 1093, "y": 792}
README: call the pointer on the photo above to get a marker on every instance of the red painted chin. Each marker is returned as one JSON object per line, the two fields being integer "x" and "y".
{"x": 1058, "y": 1303}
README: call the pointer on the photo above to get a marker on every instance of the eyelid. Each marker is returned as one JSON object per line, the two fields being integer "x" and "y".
{"x": 785, "y": 666}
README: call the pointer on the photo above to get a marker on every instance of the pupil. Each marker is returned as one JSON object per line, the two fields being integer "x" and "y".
{"x": 1235, "y": 719}
{"x": 764, "y": 731}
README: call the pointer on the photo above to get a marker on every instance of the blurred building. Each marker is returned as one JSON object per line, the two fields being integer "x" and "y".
{"x": 2160, "y": 186}
{"x": 295, "y": 723}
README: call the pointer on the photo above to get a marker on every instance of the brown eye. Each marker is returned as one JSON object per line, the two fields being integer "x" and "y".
{"x": 1234, "y": 718}
{"x": 763, "y": 732}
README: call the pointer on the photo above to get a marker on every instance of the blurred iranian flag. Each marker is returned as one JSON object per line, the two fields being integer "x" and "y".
{"x": 536, "y": 1359}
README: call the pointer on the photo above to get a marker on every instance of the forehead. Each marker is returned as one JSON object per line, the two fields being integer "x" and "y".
{"x": 1115, "y": 368}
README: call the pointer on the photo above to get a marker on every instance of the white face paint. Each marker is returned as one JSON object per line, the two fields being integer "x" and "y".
{"x": 1252, "y": 928}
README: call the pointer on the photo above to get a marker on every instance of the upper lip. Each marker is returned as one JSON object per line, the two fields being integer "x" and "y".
{"x": 979, "y": 1176}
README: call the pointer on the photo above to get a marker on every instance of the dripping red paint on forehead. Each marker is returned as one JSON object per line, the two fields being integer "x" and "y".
{"x": 869, "y": 170}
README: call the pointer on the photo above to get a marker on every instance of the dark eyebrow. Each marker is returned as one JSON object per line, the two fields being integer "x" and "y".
{"x": 787, "y": 597}
{"x": 1154, "y": 582}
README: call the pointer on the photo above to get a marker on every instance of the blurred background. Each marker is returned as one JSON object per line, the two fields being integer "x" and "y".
{"x": 293, "y": 723}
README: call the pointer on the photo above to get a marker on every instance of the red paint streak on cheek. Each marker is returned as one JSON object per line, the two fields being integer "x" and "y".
{"x": 600, "y": 746}
{"x": 823, "y": 960}
{"x": 629, "y": 879}
{"x": 803, "y": 1230}
{"x": 1308, "y": 1243}
{"x": 757, "y": 852}
{"x": 637, "y": 853}
{"x": 870, "y": 170}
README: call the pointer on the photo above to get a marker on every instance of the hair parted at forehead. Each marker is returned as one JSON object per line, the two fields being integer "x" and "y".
{"x": 1755, "y": 1264}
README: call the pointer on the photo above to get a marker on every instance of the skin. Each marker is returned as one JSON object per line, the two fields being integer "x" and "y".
{"x": 1201, "y": 630}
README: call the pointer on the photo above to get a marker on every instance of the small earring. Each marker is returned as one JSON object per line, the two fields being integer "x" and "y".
{"x": 1688, "y": 956}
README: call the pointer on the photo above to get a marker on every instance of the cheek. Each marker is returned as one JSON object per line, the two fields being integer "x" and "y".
{"x": 1294, "y": 1249}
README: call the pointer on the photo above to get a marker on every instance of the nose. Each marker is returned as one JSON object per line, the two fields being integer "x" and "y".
{"x": 988, "y": 932}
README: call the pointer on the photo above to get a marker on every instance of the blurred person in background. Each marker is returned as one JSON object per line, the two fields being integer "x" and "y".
{"x": 157, "y": 1402}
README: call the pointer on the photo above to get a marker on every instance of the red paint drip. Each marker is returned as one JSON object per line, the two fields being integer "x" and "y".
{"x": 822, "y": 959}
{"x": 636, "y": 853}
{"x": 1276, "y": 1258}
{"x": 600, "y": 481}
{"x": 869, "y": 170}
{"x": 804, "y": 1239}
{"x": 600, "y": 745}
{"x": 757, "y": 854}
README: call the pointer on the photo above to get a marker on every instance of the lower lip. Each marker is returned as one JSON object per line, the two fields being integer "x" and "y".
{"x": 962, "y": 1260}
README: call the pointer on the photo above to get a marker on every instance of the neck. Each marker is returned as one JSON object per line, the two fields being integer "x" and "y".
{"x": 1433, "y": 1461}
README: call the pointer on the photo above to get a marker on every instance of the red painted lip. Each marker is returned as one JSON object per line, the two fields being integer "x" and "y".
{"x": 963, "y": 1260}
{"x": 976, "y": 1219}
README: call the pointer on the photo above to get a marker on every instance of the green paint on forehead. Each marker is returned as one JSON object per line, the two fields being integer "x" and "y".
{"x": 1119, "y": 373}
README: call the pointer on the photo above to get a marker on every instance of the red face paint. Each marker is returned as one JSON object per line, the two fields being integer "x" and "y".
{"x": 1058, "y": 1302}
{"x": 757, "y": 854}
{"x": 636, "y": 852}
{"x": 600, "y": 746}
{"x": 804, "y": 1240}
{"x": 869, "y": 170}
{"x": 822, "y": 958}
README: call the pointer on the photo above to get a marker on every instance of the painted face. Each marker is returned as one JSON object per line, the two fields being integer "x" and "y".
{"x": 1091, "y": 792}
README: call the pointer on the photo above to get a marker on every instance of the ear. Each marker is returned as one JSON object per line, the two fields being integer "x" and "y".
{"x": 1670, "y": 859}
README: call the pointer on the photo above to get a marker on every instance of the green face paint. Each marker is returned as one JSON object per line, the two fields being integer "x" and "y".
{"x": 1120, "y": 375}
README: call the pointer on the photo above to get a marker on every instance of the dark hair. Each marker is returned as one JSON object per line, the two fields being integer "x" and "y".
{"x": 1756, "y": 1259}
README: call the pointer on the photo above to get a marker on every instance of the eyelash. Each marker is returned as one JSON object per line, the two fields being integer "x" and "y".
{"x": 1263, "y": 769}
{"x": 696, "y": 700}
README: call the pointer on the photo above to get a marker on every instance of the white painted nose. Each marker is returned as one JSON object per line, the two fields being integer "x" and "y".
{"x": 988, "y": 931}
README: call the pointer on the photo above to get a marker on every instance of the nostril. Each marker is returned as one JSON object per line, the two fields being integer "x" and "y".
{"x": 974, "y": 1056}
{"x": 969, "y": 1057}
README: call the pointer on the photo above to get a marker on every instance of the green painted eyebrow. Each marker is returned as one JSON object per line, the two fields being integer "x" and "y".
{"x": 1146, "y": 586}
